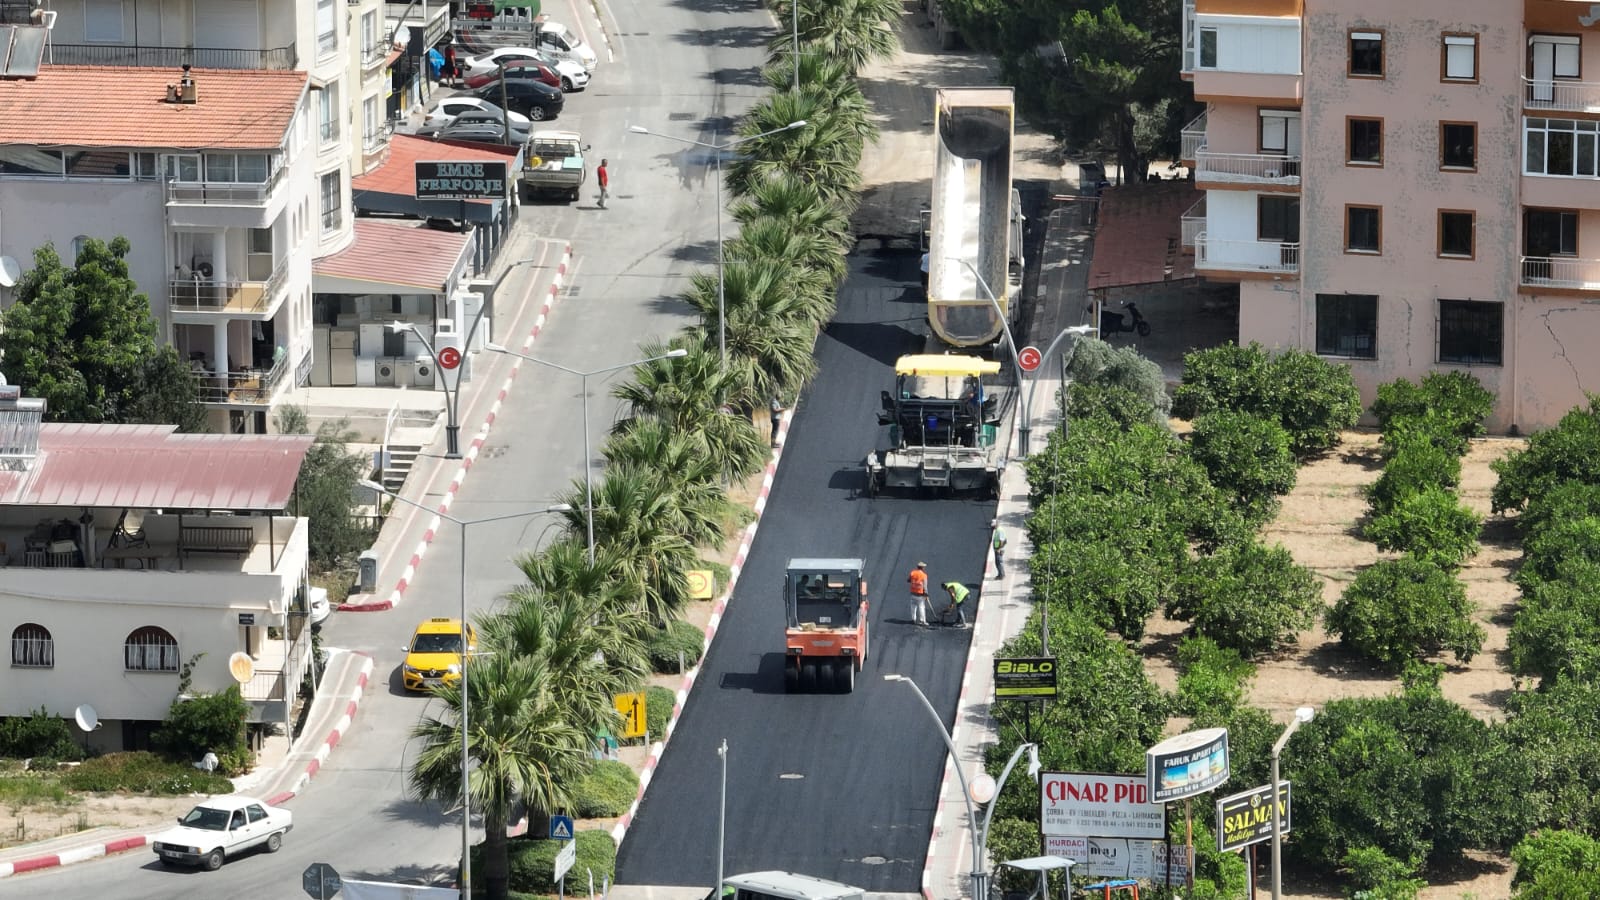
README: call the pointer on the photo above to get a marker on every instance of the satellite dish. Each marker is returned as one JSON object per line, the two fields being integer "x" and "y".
{"x": 10, "y": 271}
{"x": 87, "y": 718}
{"x": 402, "y": 36}
{"x": 242, "y": 667}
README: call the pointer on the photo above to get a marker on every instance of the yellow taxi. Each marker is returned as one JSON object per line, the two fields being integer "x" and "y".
{"x": 434, "y": 655}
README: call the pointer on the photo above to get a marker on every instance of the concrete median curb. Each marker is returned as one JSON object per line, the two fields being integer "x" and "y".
{"x": 74, "y": 855}
{"x": 340, "y": 729}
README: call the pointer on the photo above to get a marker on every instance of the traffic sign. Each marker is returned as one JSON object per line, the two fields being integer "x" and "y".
{"x": 449, "y": 358}
{"x": 1029, "y": 358}
{"x": 701, "y": 583}
{"x": 560, "y": 828}
{"x": 321, "y": 881}
{"x": 631, "y": 707}
{"x": 565, "y": 859}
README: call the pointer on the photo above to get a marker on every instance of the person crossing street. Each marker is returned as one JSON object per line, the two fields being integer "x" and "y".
{"x": 919, "y": 594}
{"x": 604, "y": 179}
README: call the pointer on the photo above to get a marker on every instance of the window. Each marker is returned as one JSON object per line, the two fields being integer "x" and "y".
{"x": 1550, "y": 232}
{"x": 1460, "y": 58}
{"x": 1458, "y": 145}
{"x": 32, "y": 647}
{"x": 183, "y": 168}
{"x": 1471, "y": 332}
{"x": 327, "y": 27}
{"x": 332, "y": 189}
{"x": 328, "y": 113}
{"x": 1363, "y": 229}
{"x": 1560, "y": 147}
{"x": 369, "y": 34}
{"x": 150, "y": 649}
{"x": 1364, "y": 141}
{"x": 220, "y": 167}
{"x": 1456, "y": 228}
{"x": 1366, "y": 54}
{"x": 1347, "y": 325}
{"x": 144, "y": 167}
{"x": 1208, "y": 48}
{"x": 1280, "y": 132}
{"x": 78, "y": 243}
{"x": 372, "y": 121}
{"x": 255, "y": 812}
{"x": 1278, "y": 219}
{"x": 102, "y": 21}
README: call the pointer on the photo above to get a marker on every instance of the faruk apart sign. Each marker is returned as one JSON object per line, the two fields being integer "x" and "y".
{"x": 1082, "y": 804}
{"x": 461, "y": 180}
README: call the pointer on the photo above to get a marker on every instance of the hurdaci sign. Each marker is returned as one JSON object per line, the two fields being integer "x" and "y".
{"x": 1082, "y": 804}
{"x": 461, "y": 180}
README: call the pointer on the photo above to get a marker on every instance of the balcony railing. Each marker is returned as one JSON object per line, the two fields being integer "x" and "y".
{"x": 171, "y": 57}
{"x": 1245, "y": 256}
{"x": 227, "y": 295}
{"x": 1561, "y": 95}
{"x": 1247, "y": 168}
{"x": 1194, "y": 137}
{"x": 1561, "y": 272}
{"x": 251, "y": 386}
{"x": 373, "y": 55}
{"x": 225, "y": 193}
{"x": 1194, "y": 222}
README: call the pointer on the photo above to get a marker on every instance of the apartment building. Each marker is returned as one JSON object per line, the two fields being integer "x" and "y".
{"x": 1406, "y": 189}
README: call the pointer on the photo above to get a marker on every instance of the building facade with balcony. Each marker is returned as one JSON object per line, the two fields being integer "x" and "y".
{"x": 1406, "y": 189}
{"x": 81, "y": 507}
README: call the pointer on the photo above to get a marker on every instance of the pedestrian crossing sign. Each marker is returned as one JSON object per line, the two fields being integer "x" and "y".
{"x": 560, "y": 828}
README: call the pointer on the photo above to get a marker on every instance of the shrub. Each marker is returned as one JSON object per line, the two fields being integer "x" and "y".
{"x": 1310, "y": 397}
{"x": 142, "y": 773}
{"x": 658, "y": 710}
{"x": 1454, "y": 402}
{"x": 1412, "y": 468}
{"x": 1555, "y": 865}
{"x": 607, "y": 791}
{"x": 1376, "y": 875}
{"x": 532, "y": 861}
{"x": 667, "y": 643}
{"x": 1431, "y": 525}
{"x": 1247, "y": 457}
{"x": 1130, "y": 381}
{"x": 1552, "y": 730}
{"x": 1399, "y": 609}
{"x": 38, "y": 735}
{"x": 210, "y": 723}
{"x": 1565, "y": 501}
{"x": 1556, "y": 548}
{"x": 1225, "y": 377}
{"x": 1568, "y": 452}
{"x": 1248, "y": 597}
{"x": 1213, "y": 678}
{"x": 1557, "y": 628}
{"x": 1121, "y": 405}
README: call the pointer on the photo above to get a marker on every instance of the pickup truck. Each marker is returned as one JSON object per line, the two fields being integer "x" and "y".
{"x": 554, "y": 165}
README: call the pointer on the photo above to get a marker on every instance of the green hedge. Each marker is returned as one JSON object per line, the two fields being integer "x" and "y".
{"x": 38, "y": 735}
{"x": 143, "y": 773}
{"x": 659, "y": 702}
{"x": 532, "y": 862}
{"x": 606, "y": 792}
{"x": 678, "y": 637}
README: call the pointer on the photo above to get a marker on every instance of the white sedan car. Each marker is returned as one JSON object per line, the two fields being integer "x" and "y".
{"x": 445, "y": 111}
{"x": 574, "y": 77}
{"x": 221, "y": 827}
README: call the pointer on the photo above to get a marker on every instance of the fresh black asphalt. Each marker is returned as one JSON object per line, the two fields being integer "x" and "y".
{"x": 836, "y": 786}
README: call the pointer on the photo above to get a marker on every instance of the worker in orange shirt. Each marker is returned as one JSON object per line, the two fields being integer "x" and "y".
{"x": 919, "y": 594}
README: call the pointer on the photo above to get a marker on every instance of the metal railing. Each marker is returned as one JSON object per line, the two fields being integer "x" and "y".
{"x": 226, "y": 295}
{"x": 255, "y": 387}
{"x": 225, "y": 193}
{"x": 373, "y": 54}
{"x": 378, "y": 138}
{"x": 1561, "y": 95}
{"x": 1194, "y": 222}
{"x": 1247, "y": 168}
{"x": 278, "y": 58}
{"x": 1194, "y": 137}
{"x": 1561, "y": 272}
{"x": 1245, "y": 256}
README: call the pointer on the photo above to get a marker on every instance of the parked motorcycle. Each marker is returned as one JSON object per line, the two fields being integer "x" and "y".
{"x": 1133, "y": 321}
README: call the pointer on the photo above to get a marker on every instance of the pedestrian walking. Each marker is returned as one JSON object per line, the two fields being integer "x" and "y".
{"x": 776, "y": 412}
{"x": 605, "y": 182}
{"x": 452, "y": 73}
{"x": 999, "y": 544}
{"x": 958, "y": 595}
{"x": 919, "y": 594}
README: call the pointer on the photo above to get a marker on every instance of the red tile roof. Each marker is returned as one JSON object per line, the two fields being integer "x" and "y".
{"x": 1140, "y": 236}
{"x": 398, "y": 174}
{"x": 149, "y": 467}
{"x": 114, "y": 106}
{"x": 400, "y": 254}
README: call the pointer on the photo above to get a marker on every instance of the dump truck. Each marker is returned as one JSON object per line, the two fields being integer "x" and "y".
{"x": 553, "y": 165}
{"x": 942, "y": 426}
{"x": 825, "y": 643}
{"x": 775, "y": 885}
{"x": 975, "y": 231}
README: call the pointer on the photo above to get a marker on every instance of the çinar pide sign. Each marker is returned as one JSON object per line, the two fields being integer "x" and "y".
{"x": 1083, "y": 804}
{"x": 1186, "y": 765}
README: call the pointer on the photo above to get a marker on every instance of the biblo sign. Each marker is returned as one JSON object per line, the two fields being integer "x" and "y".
{"x": 461, "y": 180}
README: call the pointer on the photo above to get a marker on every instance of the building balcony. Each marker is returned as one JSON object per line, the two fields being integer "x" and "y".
{"x": 1560, "y": 95}
{"x": 279, "y": 58}
{"x": 228, "y": 296}
{"x": 1253, "y": 169}
{"x": 225, "y": 193}
{"x": 1194, "y": 140}
{"x": 373, "y": 58}
{"x": 375, "y": 144}
{"x": 1194, "y": 223}
{"x": 250, "y": 387}
{"x": 1212, "y": 255}
{"x": 279, "y": 667}
{"x": 1560, "y": 273}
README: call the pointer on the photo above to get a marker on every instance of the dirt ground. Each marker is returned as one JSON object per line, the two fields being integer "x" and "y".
{"x": 92, "y": 811}
{"x": 1320, "y": 523}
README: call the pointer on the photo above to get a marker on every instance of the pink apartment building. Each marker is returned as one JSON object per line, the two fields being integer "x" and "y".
{"x": 1406, "y": 187}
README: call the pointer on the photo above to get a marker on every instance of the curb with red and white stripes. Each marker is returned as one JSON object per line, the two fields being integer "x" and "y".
{"x": 620, "y": 830}
{"x": 120, "y": 845}
{"x": 471, "y": 454}
{"x": 949, "y": 763}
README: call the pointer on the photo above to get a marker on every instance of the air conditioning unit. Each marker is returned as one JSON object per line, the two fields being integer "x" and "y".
{"x": 386, "y": 372}
{"x": 424, "y": 374}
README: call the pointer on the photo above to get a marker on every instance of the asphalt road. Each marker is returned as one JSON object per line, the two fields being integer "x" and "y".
{"x": 839, "y": 787}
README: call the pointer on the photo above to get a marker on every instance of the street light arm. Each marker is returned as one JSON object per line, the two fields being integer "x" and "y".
{"x": 1283, "y": 739}
{"x": 674, "y": 354}
{"x": 966, "y": 794}
{"x": 639, "y": 129}
{"x": 553, "y": 508}
{"x": 988, "y": 814}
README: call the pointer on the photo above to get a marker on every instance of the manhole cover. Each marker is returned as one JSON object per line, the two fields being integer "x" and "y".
{"x": 790, "y": 776}
{"x": 872, "y": 860}
{"x": 680, "y": 117}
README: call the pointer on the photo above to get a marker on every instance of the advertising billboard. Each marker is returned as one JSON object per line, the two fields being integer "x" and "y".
{"x": 1122, "y": 858}
{"x": 1186, "y": 765}
{"x": 1246, "y": 818}
{"x": 460, "y": 180}
{"x": 1025, "y": 678}
{"x": 1096, "y": 805}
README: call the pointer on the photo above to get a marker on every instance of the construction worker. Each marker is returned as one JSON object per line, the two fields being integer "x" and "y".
{"x": 958, "y": 595}
{"x": 919, "y": 594}
{"x": 999, "y": 544}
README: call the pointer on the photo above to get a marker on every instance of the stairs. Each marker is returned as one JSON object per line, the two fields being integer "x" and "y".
{"x": 935, "y": 471}
{"x": 401, "y": 459}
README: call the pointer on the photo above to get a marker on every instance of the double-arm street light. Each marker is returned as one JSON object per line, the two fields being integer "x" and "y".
{"x": 1301, "y": 716}
{"x": 981, "y": 790}
{"x": 717, "y": 150}
{"x": 466, "y": 646}
{"x": 588, "y": 458}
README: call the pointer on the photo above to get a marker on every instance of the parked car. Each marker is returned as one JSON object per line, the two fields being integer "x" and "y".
{"x": 443, "y": 112}
{"x": 534, "y": 99}
{"x": 572, "y": 74}
{"x": 478, "y": 126}
{"x": 222, "y": 827}
{"x": 522, "y": 68}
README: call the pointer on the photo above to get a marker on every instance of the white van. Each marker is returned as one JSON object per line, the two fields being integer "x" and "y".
{"x": 561, "y": 42}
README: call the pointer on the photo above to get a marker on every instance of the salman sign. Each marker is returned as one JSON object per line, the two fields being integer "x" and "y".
{"x": 1246, "y": 818}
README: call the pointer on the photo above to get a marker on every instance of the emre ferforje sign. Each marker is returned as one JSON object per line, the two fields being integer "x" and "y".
{"x": 460, "y": 180}
{"x": 1081, "y": 804}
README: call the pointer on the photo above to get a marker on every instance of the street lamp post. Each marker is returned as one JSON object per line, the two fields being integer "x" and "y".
{"x": 796, "y": 5}
{"x": 452, "y": 392}
{"x": 982, "y": 789}
{"x": 1301, "y": 716}
{"x": 588, "y": 458}
{"x": 1033, "y": 385}
{"x": 1024, "y": 427}
{"x": 722, "y": 817}
{"x": 466, "y": 797}
{"x": 717, "y": 149}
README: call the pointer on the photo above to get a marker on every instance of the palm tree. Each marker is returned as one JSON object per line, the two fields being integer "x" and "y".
{"x": 769, "y": 237}
{"x": 655, "y": 445}
{"x": 832, "y": 84}
{"x": 523, "y": 746}
{"x": 692, "y": 394}
{"x": 773, "y": 354}
{"x": 798, "y": 204}
{"x": 854, "y": 32}
{"x": 826, "y": 153}
{"x": 774, "y": 289}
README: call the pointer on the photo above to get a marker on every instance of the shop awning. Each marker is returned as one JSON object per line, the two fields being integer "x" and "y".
{"x": 392, "y": 187}
{"x": 389, "y": 256}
